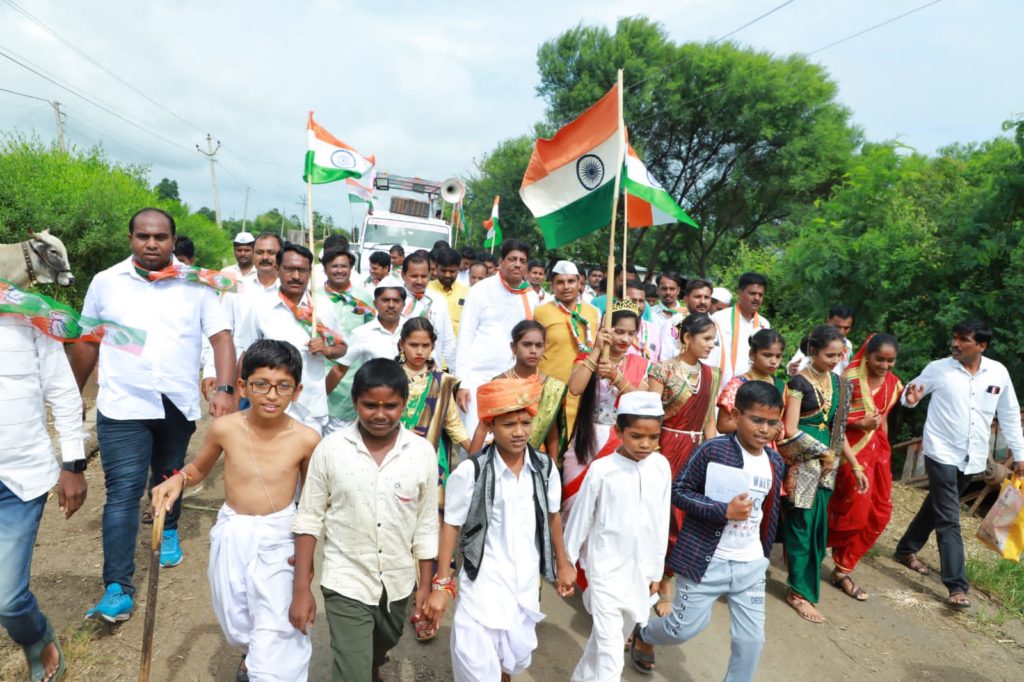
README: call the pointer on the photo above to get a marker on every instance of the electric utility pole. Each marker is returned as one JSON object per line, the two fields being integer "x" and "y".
{"x": 210, "y": 152}
{"x": 60, "y": 126}
{"x": 245, "y": 211}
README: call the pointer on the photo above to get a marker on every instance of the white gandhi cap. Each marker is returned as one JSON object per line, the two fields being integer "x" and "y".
{"x": 721, "y": 295}
{"x": 641, "y": 404}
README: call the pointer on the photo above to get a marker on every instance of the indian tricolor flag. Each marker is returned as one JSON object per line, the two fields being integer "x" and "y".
{"x": 569, "y": 185}
{"x": 361, "y": 192}
{"x": 493, "y": 237}
{"x": 648, "y": 203}
{"x": 329, "y": 159}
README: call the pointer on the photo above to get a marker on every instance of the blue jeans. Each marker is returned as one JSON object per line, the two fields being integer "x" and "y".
{"x": 743, "y": 584}
{"x": 19, "y": 610}
{"x": 132, "y": 450}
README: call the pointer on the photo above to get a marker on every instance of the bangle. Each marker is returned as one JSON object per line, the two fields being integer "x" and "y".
{"x": 856, "y": 467}
{"x": 181, "y": 472}
{"x": 590, "y": 364}
{"x": 444, "y": 585}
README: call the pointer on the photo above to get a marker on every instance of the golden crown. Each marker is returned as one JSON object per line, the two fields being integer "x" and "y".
{"x": 625, "y": 304}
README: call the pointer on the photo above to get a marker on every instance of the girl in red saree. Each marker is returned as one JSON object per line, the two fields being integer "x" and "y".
{"x": 855, "y": 520}
{"x": 688, "y": 389}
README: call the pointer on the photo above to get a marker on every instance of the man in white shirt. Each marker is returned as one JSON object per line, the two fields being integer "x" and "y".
{"x": 371, "y": 490}
{"x": 840, "y": 317}
{"x": 535, "y": 275}
{"x": 148, "y": 404}
{"x": 721, "y": 298}
{"x": 696, "y": 299}
{"x": 34, "y": 372}
{"x": 736, "y": 325}
{"x": 378, "y": 338}
{"x": 467, "y": 258}
{"x": 421, "y": 302}
{"x": 243, "y": 268}
{"x": 493, "y": 306}
{"x": 968, "y": 390}
{"x": 288, "y": 318}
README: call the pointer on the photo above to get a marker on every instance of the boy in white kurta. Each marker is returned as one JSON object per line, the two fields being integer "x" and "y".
{"x": 265, "y": 454}
{"x": 493, "y": 501}
{"x": 617, "y": 530}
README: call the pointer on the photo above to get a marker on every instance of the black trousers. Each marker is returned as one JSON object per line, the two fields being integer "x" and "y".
{"x": 940, "y": 512}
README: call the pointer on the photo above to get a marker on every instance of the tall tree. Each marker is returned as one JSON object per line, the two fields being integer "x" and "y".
{"x": 739, "y": 137}
{"x": 167, "y": 190}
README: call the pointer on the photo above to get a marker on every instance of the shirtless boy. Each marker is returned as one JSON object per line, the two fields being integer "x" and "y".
{"x": 265, "y": 453}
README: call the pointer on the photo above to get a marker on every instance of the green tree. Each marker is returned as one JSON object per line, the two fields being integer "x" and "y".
{"x": 741, "y": 138}
{"x": 167, "y": 190}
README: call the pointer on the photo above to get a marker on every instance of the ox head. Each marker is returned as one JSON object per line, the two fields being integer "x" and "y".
{"x": 52, "y": 255}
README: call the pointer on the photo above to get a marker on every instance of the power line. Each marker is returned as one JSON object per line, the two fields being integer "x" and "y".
{"x": 733, "y": 32}
{"x": 15, "y": 92}
{"x": 95, "y": 63}
{"x": 3, "y": 53}
{"x": 872, "y": 28}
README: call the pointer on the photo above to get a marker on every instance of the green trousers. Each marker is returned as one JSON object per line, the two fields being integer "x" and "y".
{"x": 362, "y": 635}
{"x": 804, "y": 534}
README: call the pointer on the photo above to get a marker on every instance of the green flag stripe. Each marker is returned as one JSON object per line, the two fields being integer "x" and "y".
{"x": 658, "y": 198}
{"x": 578, "y": 219}
{"x": 322, "y": 175}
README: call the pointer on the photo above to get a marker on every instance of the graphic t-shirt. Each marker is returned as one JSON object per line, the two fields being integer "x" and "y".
{"x": 741, "y": 540}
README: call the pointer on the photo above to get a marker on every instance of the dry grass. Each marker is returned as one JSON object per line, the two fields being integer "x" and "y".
{"x": 85, "y": 659}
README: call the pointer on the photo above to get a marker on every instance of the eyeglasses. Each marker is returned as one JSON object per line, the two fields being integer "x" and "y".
{"x": 295, "y": 271}
{"x": 284, "y": 389}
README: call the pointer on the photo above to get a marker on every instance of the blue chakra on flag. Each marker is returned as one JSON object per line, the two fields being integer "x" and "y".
{"x": 654, "y": 181}
{"x": 590, "y": 171}
{"x": 343, "y": 158}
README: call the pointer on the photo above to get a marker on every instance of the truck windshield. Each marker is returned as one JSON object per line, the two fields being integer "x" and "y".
{"x": 419, "y": 238}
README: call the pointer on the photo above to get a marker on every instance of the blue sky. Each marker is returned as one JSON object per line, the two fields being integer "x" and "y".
{"x": 430, "y": 86}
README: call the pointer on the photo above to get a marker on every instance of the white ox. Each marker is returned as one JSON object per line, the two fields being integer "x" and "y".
{"x": 43, "y": 259}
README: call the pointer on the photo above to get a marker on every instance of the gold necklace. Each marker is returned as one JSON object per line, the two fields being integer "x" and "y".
{"x": 690, "y": 371}
{"x": 822, "y": 385}
{"x": 754, "y": 375}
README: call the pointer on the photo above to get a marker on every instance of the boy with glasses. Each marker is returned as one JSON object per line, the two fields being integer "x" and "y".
{"x": 265, "y": 454}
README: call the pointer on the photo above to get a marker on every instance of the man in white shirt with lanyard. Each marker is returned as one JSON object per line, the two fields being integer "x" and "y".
{"x": 34, "y": 372}
{"x": 148, "y": 404}
{"x": 967, "y": 390}
{"x": 288, "y": 318}
{"x": 421, "y": 302}
{"x": 493, "y": 306}
{"x": 736, "y": 325}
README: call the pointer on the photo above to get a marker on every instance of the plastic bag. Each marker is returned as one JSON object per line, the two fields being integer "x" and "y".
{"x": 1003, "y": 527}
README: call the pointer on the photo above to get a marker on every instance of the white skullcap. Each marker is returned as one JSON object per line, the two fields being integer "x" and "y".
{"x": 390, "y": 282}
{"x": 244, "y": 238}
{"x": 565, "y": 267}
{"x": 641, "y": 404}
{"x": 721, "y": 295}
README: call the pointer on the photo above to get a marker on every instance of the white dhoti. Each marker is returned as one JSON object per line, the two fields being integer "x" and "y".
{"x": 469, "y": 417}
{"x": 481, "y": 654}
{"x": 602, "y": 658}
{"x": 251, "y": 585}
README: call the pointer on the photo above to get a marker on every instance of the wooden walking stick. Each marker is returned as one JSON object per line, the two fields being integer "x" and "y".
{"x": 154, "y": 579}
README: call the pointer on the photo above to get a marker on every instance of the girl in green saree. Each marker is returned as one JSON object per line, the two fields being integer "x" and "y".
{"x": 549, "y": 427}
{"x": 815, "y": 423}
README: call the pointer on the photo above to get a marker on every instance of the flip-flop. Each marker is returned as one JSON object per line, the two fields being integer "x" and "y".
{"x": 855, "y": 592}
{"x": 642, "y": 661}
{"x": 34, "y": 657}
{"x": 425, "y": 629}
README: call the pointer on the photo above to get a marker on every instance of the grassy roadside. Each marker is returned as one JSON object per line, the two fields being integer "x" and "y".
{"x": 1002, "y": 579}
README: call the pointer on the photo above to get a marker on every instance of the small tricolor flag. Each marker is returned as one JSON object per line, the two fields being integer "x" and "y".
{"x": 493, "y": 238}
{"x": 569, "y": 184}
{"x": 360, "y": 192}
{"x": 328, "y": 159}
{"x": 648, "y": 203}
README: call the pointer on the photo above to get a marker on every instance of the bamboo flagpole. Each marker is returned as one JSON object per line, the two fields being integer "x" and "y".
{"x": 620, "y": 159}
{"x": 312, "y": 247}
{"x": 625, "y": 242}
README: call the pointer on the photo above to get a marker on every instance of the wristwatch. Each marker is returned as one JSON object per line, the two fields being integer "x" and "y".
{"x": 76, "y": 466}
{"x": 226, "y": 388}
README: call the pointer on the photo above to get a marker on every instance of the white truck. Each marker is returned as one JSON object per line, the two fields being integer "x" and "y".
{"x": 382, "y": 229}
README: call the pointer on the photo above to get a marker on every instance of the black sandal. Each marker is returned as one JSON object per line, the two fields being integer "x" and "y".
{"x": 854, "y": 591}
{"x": 242, "y": 674}
{"x": 643, "y": 662}
{"x": 34, "y": 657}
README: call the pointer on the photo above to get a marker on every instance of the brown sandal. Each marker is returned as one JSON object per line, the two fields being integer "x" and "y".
{"x": 843, "y": 581}
{"x": 958, "y": 601}
{"x": 912, "y": 562}
{"x": 804, "y": 608}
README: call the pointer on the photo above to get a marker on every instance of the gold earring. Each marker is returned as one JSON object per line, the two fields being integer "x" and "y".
{"x": 401, "y": 357}
{"x": 684, "y": 348}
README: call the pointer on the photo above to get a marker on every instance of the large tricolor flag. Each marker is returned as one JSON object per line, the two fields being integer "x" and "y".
{"x": 569, "y": 184}
{"x": 328, "y": 159}
{"x": 649, "y": 203}
{"x": 493, "y": 238}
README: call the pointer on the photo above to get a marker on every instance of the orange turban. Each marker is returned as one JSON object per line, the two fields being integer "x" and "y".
{"x": 502, "y": 396}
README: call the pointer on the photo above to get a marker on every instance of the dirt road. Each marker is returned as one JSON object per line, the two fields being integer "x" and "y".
{"x": 902, "y": 633}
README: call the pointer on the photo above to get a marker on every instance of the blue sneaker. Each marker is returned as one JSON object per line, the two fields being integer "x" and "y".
{"x": 170, "y": 549}
{"x": 115, "y": 607}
